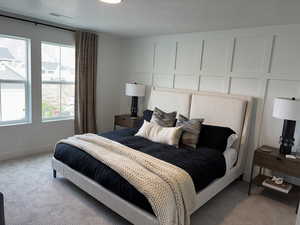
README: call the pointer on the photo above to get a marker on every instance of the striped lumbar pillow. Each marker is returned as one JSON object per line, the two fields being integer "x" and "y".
{"x": 191, "y": 130}
{"x": 163, "y": 119}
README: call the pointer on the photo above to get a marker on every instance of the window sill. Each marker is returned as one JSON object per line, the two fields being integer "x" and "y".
{"x": 15, "y": 123}
{"x": 58, "y": 119}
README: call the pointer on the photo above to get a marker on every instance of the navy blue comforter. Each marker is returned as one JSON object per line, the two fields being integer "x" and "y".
{"x": 203, "y": 165}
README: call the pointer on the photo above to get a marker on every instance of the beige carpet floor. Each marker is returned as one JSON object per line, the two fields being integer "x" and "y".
{"x": 33, "y": 197}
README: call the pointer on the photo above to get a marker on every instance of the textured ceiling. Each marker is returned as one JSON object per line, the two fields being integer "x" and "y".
{"x": 152, "y": 17}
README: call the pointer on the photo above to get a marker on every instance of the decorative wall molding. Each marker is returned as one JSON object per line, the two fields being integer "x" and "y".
{"x": 262, "y": 62}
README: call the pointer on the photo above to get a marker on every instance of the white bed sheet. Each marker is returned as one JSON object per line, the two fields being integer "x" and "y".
{"x": 231, "y": 156}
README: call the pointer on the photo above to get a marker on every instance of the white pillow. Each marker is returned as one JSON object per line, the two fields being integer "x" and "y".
{"x": 156, "y": 133}
{"x": 231, "y": 139}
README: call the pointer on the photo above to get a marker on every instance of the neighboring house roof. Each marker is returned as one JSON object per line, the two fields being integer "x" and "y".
{"x": 53, "y": 66}
{"x": 5, "y": 54}
{"x": 67, "y": 68}
{"x": 10, "y": 74}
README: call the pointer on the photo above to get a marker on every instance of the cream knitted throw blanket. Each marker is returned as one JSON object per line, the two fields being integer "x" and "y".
{"x": 168, "y": 188}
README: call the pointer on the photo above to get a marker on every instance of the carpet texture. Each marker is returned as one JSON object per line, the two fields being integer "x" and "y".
{"x": 33, "y": 197}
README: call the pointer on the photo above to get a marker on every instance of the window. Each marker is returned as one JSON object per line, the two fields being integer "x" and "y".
{"x": 58, "y": 81}
{"x": 14, "y": 80}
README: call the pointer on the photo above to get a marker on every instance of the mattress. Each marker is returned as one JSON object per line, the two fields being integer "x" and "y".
{"x": 203, "y": 165}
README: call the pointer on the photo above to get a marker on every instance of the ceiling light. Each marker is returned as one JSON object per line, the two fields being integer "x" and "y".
{"x": 111, "y": 1}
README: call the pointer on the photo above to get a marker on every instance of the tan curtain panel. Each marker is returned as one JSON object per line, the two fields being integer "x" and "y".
{"x": 85, "y": 82}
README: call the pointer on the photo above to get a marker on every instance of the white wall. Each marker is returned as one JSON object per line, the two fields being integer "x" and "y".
{"x": 36, "y": 137}
{"x": 108, "y": 82}
{"x": 261, "y": 62}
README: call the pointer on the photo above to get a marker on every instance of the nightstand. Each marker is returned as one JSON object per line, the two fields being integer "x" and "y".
{"x": 276, "y": 162}
{"x": 126, "y": 121}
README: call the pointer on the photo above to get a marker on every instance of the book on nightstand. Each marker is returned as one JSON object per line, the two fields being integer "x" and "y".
{"x": 284, "y": 187}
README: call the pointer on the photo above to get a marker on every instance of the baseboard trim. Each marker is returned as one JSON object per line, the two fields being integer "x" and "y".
{"x": 26, "y": 152}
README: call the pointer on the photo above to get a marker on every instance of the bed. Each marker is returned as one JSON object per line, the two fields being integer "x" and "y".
{"x": 210, "y": 170}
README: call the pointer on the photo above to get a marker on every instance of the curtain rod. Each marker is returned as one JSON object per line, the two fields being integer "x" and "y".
{"x": 37, "y": 23}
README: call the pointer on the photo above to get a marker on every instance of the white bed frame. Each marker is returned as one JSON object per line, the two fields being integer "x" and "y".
{"x": 174, "y": 98}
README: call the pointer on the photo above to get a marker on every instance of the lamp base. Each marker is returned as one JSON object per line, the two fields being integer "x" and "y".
{"x": 287, "y": 138}
{"x": 134, "y": 107}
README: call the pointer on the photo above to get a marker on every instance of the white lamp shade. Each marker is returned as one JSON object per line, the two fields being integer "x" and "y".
{"x": 286, "y": 108}
{"x": 135, "y": 90}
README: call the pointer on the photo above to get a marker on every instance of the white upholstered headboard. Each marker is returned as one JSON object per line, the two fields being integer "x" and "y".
{"x": 232, "y": 111}
{"x": 219, "y": 111}
{"x": 170, "y": 101}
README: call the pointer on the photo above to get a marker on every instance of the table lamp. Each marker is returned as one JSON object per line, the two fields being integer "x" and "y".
{"x": 287, "y": 109}
{"x": 134, "y": 90}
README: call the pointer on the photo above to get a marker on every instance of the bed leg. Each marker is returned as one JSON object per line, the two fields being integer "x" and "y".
{"x": 54, "y": 173}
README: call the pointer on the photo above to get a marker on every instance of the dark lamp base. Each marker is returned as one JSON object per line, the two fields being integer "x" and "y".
{"x": 285, "y": 150}
{"x": 287, "y": 138}
{"x": 134, "y": 107}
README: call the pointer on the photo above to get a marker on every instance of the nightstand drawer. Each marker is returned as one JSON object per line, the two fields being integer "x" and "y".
{"x": 264, "y": 160}
{"x": 126, "y": 121}
{"x": 279, "y": 163}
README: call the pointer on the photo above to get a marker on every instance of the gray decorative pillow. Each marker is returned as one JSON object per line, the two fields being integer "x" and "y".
{"x": 191, "y": 130}
{"x": 163, "y": 119}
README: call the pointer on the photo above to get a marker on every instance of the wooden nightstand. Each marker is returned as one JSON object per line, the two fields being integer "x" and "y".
{"x": 126, "y": 121}
{"x": 277, "y": 163}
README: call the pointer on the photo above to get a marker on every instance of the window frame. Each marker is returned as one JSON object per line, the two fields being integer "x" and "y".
{"x": 27, "y": 84}
{"x": 60, "y": 83}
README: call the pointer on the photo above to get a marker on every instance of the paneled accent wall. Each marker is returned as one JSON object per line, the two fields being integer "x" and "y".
{"x": 261, "y": 62}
